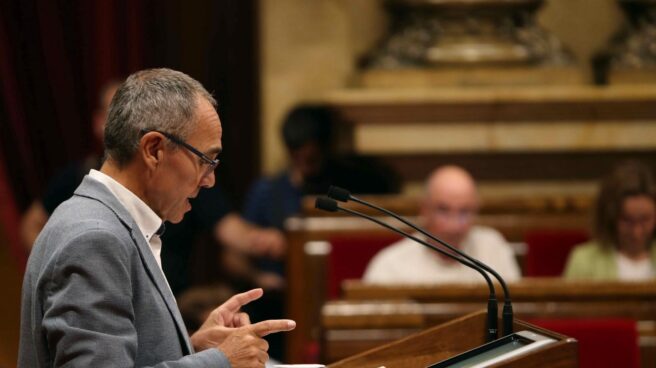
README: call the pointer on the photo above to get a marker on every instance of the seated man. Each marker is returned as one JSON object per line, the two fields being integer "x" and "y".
{"x": 313, "y": 167}
{"x": 448, "y": 210}
{"x": 307, "y": 132}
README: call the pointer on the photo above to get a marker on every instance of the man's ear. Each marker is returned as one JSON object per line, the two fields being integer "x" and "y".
{"x": 151, "y": 149}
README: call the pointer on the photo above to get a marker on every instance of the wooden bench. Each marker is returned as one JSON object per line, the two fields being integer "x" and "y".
{"x": 308, "y": 252}
{"x": 370, "y": 315}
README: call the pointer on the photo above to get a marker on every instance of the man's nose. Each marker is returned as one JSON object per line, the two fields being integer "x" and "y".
{"x": 453, "y": 224}
{"x": 208, "y": 180}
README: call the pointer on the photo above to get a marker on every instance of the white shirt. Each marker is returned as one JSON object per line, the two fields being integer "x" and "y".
{"x": 630, "y": 270}
{"x": 146, "y": 219}
{"x": 406, "y": 262}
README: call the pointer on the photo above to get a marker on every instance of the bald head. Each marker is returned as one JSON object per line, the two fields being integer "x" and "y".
{"x": 450, "y": 203}
{"x": 447, "y": 181}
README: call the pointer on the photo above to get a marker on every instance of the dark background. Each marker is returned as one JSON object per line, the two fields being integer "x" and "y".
{"x": 55, "y": 55}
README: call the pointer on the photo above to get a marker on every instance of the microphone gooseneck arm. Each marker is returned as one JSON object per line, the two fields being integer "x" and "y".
{"x": 344, "y": 195}
{"x": 507, "y": 313}
{"x": 330, "y": 205}
{"x": 424, "y": 243}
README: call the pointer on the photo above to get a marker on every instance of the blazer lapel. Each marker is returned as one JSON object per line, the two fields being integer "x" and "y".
{"x": 161, "y": 284}
{"x": 95, "y": 190}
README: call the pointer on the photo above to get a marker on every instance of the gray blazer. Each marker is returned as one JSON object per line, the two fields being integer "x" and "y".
{"x": 94, "y": 296}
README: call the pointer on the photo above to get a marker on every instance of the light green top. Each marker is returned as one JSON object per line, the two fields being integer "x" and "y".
{"x": 591, "y": 261}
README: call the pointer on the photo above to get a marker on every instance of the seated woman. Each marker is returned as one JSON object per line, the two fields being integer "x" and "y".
{"x": 624, "y": 224}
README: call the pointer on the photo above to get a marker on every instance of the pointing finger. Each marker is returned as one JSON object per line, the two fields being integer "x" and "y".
{"x": 271, "y": 326}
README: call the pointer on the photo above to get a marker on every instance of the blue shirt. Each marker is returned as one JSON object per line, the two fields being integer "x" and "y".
{"x": 272, "y": 200}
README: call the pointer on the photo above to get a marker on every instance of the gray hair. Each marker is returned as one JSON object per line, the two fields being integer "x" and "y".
{"x": 152, "y": 99}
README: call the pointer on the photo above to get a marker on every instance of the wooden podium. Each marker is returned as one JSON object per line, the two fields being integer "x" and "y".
{"x": 452, "y": 338}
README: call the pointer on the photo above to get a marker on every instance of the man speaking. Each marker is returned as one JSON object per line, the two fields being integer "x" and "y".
{"x": 94, "y": 294}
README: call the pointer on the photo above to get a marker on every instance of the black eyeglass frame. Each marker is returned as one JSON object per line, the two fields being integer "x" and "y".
{"x": 212, "y": 164}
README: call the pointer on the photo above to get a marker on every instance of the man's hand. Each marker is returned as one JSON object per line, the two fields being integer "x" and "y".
{"x": 268, "y": 242}
{"x": 214, "y": 330}
{"x": 237, "y": 233}
{"x": 245, "y": 347}
{"x": 227, "y": 320}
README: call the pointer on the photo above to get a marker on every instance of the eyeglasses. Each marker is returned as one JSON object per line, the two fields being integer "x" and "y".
{"x": 211, "y": 164}
{"x": 642, "y": 221}
{"x": 463, "y": 215}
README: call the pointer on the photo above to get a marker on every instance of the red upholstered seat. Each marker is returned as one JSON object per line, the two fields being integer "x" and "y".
{"x": 602, "y": 342}
{"x": 547, "y": 250}
{"x": 349, "y": 257}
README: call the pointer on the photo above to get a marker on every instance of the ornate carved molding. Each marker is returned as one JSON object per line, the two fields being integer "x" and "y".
{"x": 438, "y": 33}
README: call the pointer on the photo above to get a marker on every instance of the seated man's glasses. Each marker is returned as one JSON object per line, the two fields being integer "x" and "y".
{"x": 460, "y": 215}
{"x": 211, "y": 164}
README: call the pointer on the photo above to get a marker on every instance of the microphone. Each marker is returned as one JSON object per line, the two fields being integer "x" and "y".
{"x": 330, "y": 205}
{"x": 344, "y": 195}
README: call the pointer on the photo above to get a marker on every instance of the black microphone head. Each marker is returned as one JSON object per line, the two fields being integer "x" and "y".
{"x": 338, "y": 193}
{"x": 326, "y": 204}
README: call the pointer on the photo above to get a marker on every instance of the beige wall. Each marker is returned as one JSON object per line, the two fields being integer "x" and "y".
{"x": 583, "y": 25}
{"x": 310, "y": 47}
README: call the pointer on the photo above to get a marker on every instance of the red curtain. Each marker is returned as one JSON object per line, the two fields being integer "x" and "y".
{"x": 9, "y": 220}
{"x": 54, "y": 58}
{"x": 56, "y": 54}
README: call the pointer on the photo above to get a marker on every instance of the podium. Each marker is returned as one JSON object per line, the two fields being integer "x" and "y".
{"x": 458, "y": 336}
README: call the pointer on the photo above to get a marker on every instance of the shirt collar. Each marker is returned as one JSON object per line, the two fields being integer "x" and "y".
{"x": 147, "y": 220}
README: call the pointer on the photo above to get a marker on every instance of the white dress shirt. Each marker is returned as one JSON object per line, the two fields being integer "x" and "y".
{"x": 631, "y": 270}
{"x": 146, "y": 219}
{"x": 407, "y": 262}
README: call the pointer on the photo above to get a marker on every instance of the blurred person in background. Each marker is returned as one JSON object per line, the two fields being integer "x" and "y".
{"x": 313, "y": 167}
{"x": 307, "y": 132}
{"x": 624, "y": 246}
{"x": 62, "y": 186}
{"x": 448, "y": 211}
